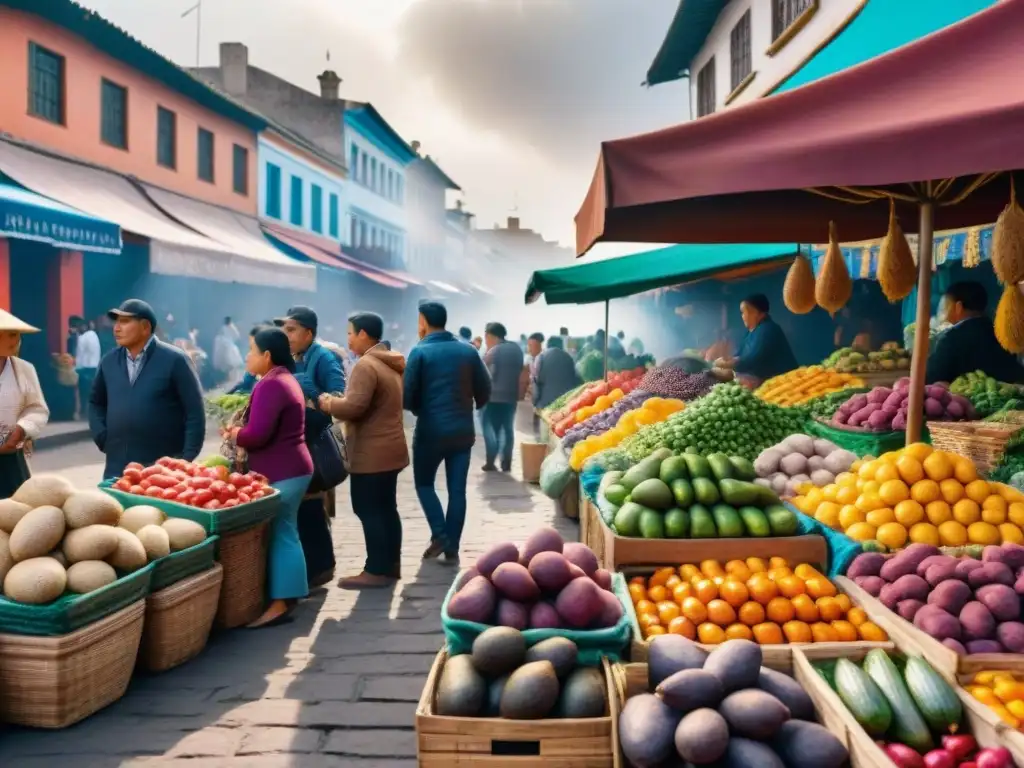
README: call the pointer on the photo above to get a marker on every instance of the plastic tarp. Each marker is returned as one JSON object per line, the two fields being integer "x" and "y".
{"x": 593, "y": 281}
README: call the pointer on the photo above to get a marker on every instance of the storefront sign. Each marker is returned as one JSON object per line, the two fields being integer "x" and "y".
{"x": 79, "y": 235}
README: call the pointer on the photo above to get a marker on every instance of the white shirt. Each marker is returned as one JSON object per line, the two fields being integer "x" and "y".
{"x": 21, "y": 399}
{"x": 134, "y": 364}
{"x": 87, "y": 351}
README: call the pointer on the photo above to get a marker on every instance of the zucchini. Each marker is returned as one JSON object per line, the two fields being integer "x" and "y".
{"x": 935, "y": 697}
{"x": 863, "y": 698}
{"x": 908, "y": 727}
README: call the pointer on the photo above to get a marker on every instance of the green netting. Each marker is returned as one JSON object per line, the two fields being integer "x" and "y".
{"x": 860, "y": 443}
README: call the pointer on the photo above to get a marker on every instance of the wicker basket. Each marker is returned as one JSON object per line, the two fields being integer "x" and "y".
{"x": 983, "y": 442}
{"x": 533, "y": 455}
{"x": 179, "y": 619}
{"x": 244, "y": 557}
{"x": 52, "y": 682}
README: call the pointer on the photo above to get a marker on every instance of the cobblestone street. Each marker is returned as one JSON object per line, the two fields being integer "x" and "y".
{"x": 338, "y": 687}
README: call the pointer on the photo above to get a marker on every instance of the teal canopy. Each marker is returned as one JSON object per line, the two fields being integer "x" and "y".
{"x": 879, "y": 27}
{"x": 28, "y": 216}
{"x": 594, "y": 281}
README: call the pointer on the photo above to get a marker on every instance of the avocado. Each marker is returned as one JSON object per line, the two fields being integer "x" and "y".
{"x": 583, "y": 694}
{"x": 743, "y": 469}
{"x": 494, "y": 691}
{"x": 782, "y": 520}
{"x": 661, "y": 454}
{"x": 560, "y": 651}
{"x": 677, "y": 524}
{"x": 668, "y": 654}
{"x": 720, "y": 465}
{"x": 498, "y": 650}
{"x": 727, "y": 521}
{"x": 755, "y": 521}
{"x": 697, "y": 465}
{"x": 627, "y": 519}
{"x": 683, "y": 492}
{"x": 531, "y": 692}
{"x": 765, "y": 496}
{"x": 609, "y": 478}
{"x": 462, "y": 691}
{"x": 647, "y": 727}
{"x": 654, "y": 494}
{"x": 702, "y": 524}
{"x": 652, "y": 524}
{"x": 738, "y": 493}
{"x": 673, "y": 468}
{"x": 705, "y": 491}
{"x": 616, "y": 493}
{"x": 644, "y": 470}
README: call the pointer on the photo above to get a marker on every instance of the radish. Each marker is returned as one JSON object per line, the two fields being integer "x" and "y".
{"x": 971, "y": 764}
{"x": 961, "y": 746}
{"x": 940, "y": 758}
{"x": 998, "y": 757}
{"x": 903, "y": 756}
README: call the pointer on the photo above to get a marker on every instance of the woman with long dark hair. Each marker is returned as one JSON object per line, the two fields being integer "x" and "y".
{"x": 274, "y": 438}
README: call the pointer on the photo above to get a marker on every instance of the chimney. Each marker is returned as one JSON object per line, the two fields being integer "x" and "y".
{"x": 415, "y": 146}
{"x": 329, "y": 85}
{"x": 513, "y": 222}
{"x": 234, "y": 68}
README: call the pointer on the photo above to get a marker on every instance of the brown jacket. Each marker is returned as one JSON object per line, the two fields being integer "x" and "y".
{"x": 372, "y": 411}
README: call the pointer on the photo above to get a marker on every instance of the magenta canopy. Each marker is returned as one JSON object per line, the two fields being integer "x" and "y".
{"x": 947, "y": 108}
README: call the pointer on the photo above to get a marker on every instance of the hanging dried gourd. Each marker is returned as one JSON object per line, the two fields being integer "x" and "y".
{"x": 834, "y": 286}
{"x": 1008, "y": 242}
{"x": 897, "y": 273}
{"x": 1009, "y": 323}
{"x": 798, "y": 291}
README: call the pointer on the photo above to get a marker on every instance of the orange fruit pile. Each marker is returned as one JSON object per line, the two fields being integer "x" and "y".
{"x": 917, "y": 495}
{"x": 803, "y": 384}
{"x": 753, "y": 599}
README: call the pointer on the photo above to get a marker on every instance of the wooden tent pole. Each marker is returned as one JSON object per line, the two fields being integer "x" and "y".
{"x": 919, "y": 361}
{"x": 606, "y": 302}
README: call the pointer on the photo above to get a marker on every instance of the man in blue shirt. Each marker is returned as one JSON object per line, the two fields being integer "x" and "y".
{"x": 444, "y": 378}
{"x": 765, "y": 351}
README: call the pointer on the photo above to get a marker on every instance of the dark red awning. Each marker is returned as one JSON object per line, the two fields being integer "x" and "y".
{"x": 947, "y": 107}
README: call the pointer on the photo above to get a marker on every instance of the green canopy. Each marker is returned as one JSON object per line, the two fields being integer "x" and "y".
{"x": 594, "y": 281}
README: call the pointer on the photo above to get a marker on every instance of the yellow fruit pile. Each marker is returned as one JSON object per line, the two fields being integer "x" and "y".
{"x": 653, "y": 411}
{"x": 917, "y": 495}
{"x": 803, "y": 384}
{"x": 754, "y": 599}
{"x": 1001, "y": 692}
{"x": 603, "y": 403}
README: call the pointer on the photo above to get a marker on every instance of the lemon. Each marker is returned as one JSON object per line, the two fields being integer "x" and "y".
{"x": 952, "y": 490}
{"x": 1011, "y": 533}
{"x": 861, "y": 531}
{"x": 879, "y": 517}
{"x": 850, "y": 515}
{"x": 964, "y": 470}
{"x": 893, "y": 492}
{"x": 909, "y": 512}
{"x": 952, "y": 534}
{"x": 919, "y": 451}
{"x": 886, "y": 472}
{"x": 910, "y": 469}
{"x": 982, "y": 533}
{"x": 938, "y": 466}
{"x": 925, "y": 491}
{"x": 924, "y": 533}
{"x": 1016, "y": 513}
{"x": 827, "y": 514}
{"x": 994, "y": 510}
{"x": 938, "y": 512}
{"x": 846, "y": 479}
{"x": 977, "y": 490}
{"x": 966, "y": 511}
{"x": 893, "y": 535}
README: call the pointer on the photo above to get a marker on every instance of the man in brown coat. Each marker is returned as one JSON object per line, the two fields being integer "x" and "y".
{"x": 375, "y": 435}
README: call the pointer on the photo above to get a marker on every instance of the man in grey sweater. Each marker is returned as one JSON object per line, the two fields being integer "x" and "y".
{"x": 504, "y": 361}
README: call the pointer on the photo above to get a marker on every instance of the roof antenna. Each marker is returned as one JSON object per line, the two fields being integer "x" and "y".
{"x": 198, "y": 10}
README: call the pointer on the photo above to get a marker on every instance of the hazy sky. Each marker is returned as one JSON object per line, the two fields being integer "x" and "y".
{"x": 511, "y": 97}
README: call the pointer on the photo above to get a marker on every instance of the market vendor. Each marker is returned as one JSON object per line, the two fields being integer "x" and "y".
{"x": 971, "y": 344}
{"x": 765, "y": 350}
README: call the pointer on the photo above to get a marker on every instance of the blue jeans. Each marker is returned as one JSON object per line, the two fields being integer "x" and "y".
{"x": 445, "y": 528}
{"x": 286, "y": 566}
{"x": 500, "y": 432}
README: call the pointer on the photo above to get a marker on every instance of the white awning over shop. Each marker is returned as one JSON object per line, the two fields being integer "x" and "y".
{"x": 174, "y": 249}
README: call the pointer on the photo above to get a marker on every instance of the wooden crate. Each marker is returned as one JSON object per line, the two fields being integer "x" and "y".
{"x": 776, "y": 656}
{"x": 614, "y": 551}
{"x": 569, "y": 502}
{"x": 500, "y": 743}
{"x": 910, "y": 639}
{"x": 983, "y": 442}
{"x": 985, "y": 724}
{"x": 864, "y": 752}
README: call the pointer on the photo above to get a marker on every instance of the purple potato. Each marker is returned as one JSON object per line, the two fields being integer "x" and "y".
{"x": 544, "y": 616}
{"x": 512, "y": 614}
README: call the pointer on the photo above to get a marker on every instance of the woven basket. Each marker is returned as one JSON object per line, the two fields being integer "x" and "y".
{"x": 179, "y": 619}
{"x": 983, "y": 442}
{"x": 52, "y": 682}
{"x": 244, "y": 557}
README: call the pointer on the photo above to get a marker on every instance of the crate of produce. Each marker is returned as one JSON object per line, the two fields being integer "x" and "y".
{"x": 749, "y": 714}
{"x": 180, "y": 565}
{"x": 53, "y": 682}
{"x": 774, "y": 602}
{"x": 71, "y": 612}
{"x": 897, "y": 710}
{"x": 179, "y": 619}
{"x": 243, "y": 554}
{"x": 983, "y": 442}
{"x": 996, "y": 699}
{"x": 547, "y": 588}
{"x": 470, "y": 736}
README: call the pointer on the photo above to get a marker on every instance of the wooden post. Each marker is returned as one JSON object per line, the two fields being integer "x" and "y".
{"x": 919, "y": 361}
{"x": 606, "y": 371}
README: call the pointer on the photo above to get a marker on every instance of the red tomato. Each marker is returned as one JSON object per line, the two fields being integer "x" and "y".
{"x": 123, "y": 485}
{"x": 244, "y": 498}
{"x": 138, "y": 490}
{"x": 229, "y": 503}
{"x": 169, "y": 493}
{"x": 154, "y": 492}
{"x": 211, "y": 504}
{"x": 150, "y": 471}
{"x": 200, "y": 482}
{"x": 202, "y": 496}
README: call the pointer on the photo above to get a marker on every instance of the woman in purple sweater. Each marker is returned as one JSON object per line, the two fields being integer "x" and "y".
{"x": 274, "y": 437}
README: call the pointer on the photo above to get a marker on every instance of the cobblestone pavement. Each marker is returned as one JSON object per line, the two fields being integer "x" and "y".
{"x": 338, "y": 687}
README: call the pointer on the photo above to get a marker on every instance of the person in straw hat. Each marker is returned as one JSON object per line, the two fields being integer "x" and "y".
{"x": 23, "y": 410}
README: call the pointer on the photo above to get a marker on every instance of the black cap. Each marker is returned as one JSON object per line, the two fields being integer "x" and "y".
{"x": 304, "y": 316}
{"x": 134, "y": 308}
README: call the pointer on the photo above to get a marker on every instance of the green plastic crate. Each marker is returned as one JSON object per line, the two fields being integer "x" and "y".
{"x": 218, "y": 521}
{"x": 178, "y": 566}
{"x": 72, "y": 612}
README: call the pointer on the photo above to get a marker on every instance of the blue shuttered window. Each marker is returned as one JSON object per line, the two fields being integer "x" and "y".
{"x": 240, "y": 169}
{"x": 166, "y": 138}
{"x": 205, "y": 155}
{"x": 296, "y": 210}
{"x": 113, "y": 114}
{"x": 332, "y": 216}
{"x": 45, "y": 84}
{"x": 273, "y": 191}
{"x": 316, "y": 209}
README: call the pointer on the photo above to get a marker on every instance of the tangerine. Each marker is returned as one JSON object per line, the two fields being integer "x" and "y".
{"x": 966, "y": 511}
{"x": 819, "y": 586}
{"x": 762, "y": 589}
{"x": 964, "y": 470}
{"x": 829, "y": 609}
{"x": 739, "y": 569}
{"x": 712, "y": 568}
{"x": 952, "y": 490}
{"x": 879, "y": 517}
{"x": 844, "y": 602}
{"x": 994, "y": 509}
{"x": 924, "y": 533}
{"x": 791, "y": 586}
{"x": 871, "y": 632}
{"x": 893, "y": 535}
{"x": 667, "y": 610}
{"x": 953, "y": 533}
{"x": 738, "y": 632}
{"x": 805, "y": 608}
{"x": 925, "y": 491}
{"x": 735, "y": 593}
{"x": 856, "y": 615}
{"x": 909, "y": 512}
{"x": 646, "y": 606}
{"x": 777, "y": 562}
{"x": 919, "y": 451}
{"x": 710, "y": 634}
{"x": 861, "y": 532}
{"x": 797, "y": 632}
{"x": 756, "y": 565}
{"x": 681, "y": 592}
{"x": 1011, "y": 533}
{"x": 845, "y": 631}
{"x": 660, "y": 576}
{"x": 824, "y": 633}
{"x": 705, "y": 590}
{"x": 937, "y": 512}
{"x": 694, "y": 610}
{"x": 768, "y": 633}
{"x": 894, "y": 491}
{"x": 909, "y": 469}
{"x": 977, "y": 490}
{"x": 682, "y": 626}
{"x": 654, "y": 631}
{"x": 850, "y": 515}
{"x": 751, "y": 613}
{"x": 887, "y": 473}
{"x": 780, "y": 610}
{"x": 648, "y": 620}
{"x": 938, "y": 466}
{"x": 637, "y": 592}
{"x": 721, "y": 613}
